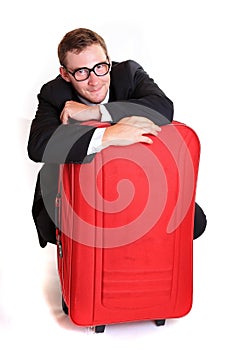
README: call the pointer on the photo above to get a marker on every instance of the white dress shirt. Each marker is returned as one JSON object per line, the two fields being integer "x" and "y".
{"x": 95, "y": 144}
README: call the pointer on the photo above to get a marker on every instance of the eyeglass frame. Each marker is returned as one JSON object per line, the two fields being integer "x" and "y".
{"x": 89, "y": 70}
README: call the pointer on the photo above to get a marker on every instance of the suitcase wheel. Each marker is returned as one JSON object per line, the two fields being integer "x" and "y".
{"x": 64, "y": 306}
{"x": 160, "y": 322}
{"x": 100, "y": 329}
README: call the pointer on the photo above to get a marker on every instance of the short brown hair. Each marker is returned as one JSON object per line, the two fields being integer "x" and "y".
{"x": 77, "y": 40}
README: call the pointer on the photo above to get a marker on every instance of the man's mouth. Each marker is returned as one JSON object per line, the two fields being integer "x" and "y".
{"x": 95, "y": 90}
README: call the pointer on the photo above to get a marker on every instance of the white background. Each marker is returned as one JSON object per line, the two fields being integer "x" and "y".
{"x": 188, "y": 47}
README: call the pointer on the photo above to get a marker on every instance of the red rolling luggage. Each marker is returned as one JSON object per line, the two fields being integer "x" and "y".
{"x": 125, "y": 231}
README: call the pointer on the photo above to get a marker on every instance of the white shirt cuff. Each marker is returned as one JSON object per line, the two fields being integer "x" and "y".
{"x": 106, "y": 117}
{"x": 95, "y": 144}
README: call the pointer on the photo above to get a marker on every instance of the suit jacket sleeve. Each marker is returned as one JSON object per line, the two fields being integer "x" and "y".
{"x": 49, "y": 140}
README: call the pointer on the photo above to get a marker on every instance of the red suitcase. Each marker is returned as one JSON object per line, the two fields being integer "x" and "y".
{"x": 125, "y": 231}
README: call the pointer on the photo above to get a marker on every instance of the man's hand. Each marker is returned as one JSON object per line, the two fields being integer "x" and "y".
{"x": 130, "y": 130}
{"x": 79, "y": 112}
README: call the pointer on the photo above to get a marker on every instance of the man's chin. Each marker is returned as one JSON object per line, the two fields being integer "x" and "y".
{"x": 96, "y": 97}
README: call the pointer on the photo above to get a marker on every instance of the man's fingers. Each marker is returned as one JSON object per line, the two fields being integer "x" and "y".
{"x": 145, "y": 139}
{"x": 140, "y": 122}
{"x": 157, "y": 127}
{"x": 64, "y": 118}
{"x": 153, "y": 130}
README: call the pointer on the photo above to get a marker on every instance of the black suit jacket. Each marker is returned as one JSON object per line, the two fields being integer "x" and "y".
{"x": 132, "y": 92}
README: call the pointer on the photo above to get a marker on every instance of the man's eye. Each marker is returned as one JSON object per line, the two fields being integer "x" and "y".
{"x": 82, "y": 71}
{"x": 101, "y": 66}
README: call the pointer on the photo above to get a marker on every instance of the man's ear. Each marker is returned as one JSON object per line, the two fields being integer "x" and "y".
{"x": 64, "y": 74}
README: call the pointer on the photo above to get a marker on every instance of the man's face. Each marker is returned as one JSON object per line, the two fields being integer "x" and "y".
{"x": 95, "y": 88}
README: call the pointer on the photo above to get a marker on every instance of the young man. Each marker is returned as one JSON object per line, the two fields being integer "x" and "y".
{"x": 90, "y": 89}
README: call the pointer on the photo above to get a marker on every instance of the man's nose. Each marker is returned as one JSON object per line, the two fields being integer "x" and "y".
{"x": 93, "y": 79}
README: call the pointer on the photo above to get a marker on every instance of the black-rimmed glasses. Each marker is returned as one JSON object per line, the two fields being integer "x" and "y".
{"x": 83, "y": 73}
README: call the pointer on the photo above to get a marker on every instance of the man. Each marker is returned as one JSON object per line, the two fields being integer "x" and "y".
{"x": 90, "y": 88}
